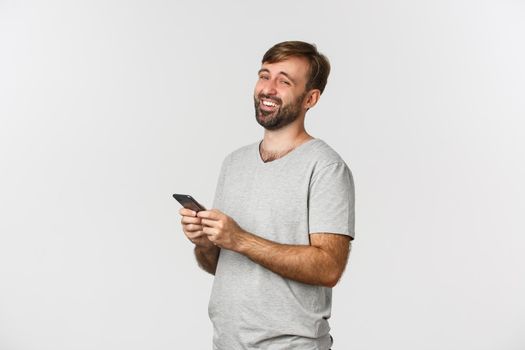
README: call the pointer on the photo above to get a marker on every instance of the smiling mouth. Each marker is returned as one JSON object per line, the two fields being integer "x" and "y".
{"x": 268, "y": 104}
{"x": 268, "y": 107}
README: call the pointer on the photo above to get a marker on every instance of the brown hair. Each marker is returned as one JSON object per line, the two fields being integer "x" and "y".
{"x": 319, "y": 65}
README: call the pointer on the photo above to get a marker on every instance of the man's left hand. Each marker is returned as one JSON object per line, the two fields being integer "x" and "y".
{"x": 221, "y": 229}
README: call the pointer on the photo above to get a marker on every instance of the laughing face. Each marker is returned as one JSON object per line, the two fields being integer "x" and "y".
{"x": 280, "y": 93}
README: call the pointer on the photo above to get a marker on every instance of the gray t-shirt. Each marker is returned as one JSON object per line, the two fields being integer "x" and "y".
{"x": 309, "y": 190}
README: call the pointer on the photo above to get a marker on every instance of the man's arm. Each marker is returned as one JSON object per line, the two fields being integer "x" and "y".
{"x": 320, "y": 263}
{"x": 207, "y": 257}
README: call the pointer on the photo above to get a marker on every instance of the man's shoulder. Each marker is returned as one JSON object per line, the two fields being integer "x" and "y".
{"x": 325, "y": 160}
{"x": 323, "y": 154}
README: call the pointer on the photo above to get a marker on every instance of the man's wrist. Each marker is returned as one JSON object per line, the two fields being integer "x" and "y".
{"x": 240, "y": 241}
{"x": 244, "y": 242}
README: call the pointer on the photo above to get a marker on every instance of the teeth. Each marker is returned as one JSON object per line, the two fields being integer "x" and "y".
{"x": 269, "y": 104}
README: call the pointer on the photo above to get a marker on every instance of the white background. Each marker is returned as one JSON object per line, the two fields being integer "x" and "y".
{"x": 109, "y": 107}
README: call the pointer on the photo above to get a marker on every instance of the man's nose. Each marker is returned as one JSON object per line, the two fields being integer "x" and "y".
{"x": 269, "y": 88}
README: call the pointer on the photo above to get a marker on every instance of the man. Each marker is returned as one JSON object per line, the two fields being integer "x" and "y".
{"x": 279, "y": 237}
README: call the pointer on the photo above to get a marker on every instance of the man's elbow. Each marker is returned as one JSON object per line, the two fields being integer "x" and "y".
{"x": 331, "y": 279}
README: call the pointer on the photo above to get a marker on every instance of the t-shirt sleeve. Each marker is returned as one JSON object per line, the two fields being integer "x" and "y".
{"x": 331, "y": 201}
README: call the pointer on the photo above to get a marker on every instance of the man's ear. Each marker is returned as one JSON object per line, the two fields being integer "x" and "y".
{"x": 311, "y": 98}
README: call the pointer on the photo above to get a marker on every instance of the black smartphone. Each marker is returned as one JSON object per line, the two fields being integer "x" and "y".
{"x": 188, "y": 202}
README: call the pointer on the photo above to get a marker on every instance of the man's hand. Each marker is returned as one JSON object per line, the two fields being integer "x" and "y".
{"x": 192, "y": 227}
{"x": 221, "y": 229}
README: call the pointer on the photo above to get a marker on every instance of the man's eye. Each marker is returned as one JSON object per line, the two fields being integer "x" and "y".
{"x": 285, "y": 82}
{"x": 263, "y": 77}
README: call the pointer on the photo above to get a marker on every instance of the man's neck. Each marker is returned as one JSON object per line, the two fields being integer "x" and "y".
{"x": 278, "y": 143}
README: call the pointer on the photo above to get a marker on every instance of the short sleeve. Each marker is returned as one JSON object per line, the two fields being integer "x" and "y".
{"x": 331, "y": 201}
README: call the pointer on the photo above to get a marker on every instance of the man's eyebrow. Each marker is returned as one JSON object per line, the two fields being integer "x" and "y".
{"x": 266, "y": 70}
{"x": 288, "y": 76}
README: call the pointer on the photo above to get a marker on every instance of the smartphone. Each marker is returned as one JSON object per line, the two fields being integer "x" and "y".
{"x": 188, "y": 202}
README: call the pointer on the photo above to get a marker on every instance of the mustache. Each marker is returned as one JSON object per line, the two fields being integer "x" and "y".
{"x": 268, "y": 97}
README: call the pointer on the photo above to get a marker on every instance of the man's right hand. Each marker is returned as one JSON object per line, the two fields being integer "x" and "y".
{"x": 192, "y": 227}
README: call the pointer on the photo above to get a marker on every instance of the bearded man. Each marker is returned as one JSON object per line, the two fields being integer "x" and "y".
{"x": 278, "y": 237}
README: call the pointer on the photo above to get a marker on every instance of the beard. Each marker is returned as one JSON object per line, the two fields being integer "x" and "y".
{"x": 283, "y": 116}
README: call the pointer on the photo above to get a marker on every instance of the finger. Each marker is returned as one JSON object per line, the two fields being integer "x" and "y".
{"x": 187, "y": 212}
{"x": 192, "y": 227}
{"x": 190, "y": 220}
{"x": 210, "y": 214}
{"x": 212, "y": 239}
{"x": 210, "y": 223}
{"x": 210, "y": 231}
{"x": 195, "y": 235}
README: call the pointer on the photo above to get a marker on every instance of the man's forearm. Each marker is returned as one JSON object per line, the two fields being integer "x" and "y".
{"x": 207, "y": 258}
{"x": 302, "y": 263}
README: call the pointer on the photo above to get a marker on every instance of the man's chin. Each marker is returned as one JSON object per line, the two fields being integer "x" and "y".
{"x": 263, "y": 117}
{"x": 266, "y": 122}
